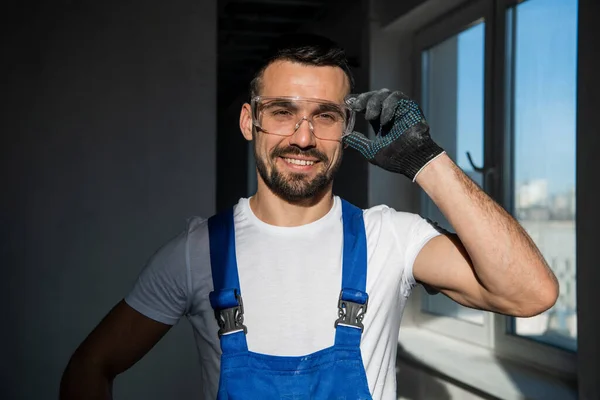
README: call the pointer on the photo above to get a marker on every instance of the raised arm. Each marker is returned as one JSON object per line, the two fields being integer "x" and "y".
{"x": 491, "y": 263}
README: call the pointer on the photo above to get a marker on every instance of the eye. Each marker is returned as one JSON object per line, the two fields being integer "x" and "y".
{"x": 280, "y": 112}
{"x": 328, "y": 117}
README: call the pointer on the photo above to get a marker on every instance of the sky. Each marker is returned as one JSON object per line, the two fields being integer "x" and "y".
{"x": 544, "y": 98}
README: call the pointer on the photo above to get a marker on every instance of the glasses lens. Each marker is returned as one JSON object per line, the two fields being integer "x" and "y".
{"x": 281, "y": 116}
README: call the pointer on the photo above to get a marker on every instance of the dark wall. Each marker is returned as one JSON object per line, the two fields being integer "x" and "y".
{"x": 387, "y": 11}
{"x": 588, "y": 200}
{"x": 108, "y": 145}
{"x": 232, "y": 156}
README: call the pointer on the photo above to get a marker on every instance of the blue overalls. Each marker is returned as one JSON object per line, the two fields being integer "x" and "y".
{"x": 336, "y": 372}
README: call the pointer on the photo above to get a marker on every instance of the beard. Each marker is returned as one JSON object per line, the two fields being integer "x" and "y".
{"x": 294, "y": 187}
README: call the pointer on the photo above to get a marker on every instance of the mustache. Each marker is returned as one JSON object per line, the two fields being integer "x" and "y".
{"x": 295, "y": 151}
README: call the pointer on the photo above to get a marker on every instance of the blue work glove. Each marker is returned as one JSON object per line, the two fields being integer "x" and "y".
{"x": 402, "y": 143}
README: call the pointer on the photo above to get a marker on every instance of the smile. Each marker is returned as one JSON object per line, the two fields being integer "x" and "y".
{"x": 298, "y": 162}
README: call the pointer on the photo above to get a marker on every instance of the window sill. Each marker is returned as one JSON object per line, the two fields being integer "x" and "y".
{"x": 478, "y": 368}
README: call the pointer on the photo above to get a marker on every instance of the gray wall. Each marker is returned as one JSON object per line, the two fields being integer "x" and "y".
{"x": 414, "y": 383}
{"x": 588, "y": 200}
{"x": 108, "y": 144}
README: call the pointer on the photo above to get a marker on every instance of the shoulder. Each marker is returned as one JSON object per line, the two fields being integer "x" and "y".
{"x": 404, "y": 227}
{"x": 383, "y": 214}
{"x": 196, "y": 235}
{"x": 197, "y": 226}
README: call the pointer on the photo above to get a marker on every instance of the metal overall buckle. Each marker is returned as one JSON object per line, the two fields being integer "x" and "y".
{"x": 351, "y": 313}
{"x": 231, "y": 319}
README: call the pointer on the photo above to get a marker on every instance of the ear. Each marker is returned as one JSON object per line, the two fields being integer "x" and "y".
{"x": 246, "y": 121}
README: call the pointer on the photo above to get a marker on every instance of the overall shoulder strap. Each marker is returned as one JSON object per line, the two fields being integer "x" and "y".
{"x": 226, "y": 297}
{"x": 223, "y": 263}
{"x": 353, "y": 300}
{"x": 354, "y": 272}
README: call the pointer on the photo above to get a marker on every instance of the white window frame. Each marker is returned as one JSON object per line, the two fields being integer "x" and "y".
{"x": 493, "y": 333}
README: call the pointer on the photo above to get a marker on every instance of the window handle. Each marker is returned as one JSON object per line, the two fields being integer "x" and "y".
{"x": 481, "y": 170}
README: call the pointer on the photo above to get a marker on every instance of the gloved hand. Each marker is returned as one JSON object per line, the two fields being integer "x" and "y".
{"x": 402, "y": 143}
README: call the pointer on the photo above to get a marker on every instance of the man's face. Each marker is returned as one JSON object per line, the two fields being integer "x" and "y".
{"x": 299, "y": 166}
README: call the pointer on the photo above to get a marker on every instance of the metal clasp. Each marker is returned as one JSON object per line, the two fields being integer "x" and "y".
{"x": 231, "y": 319}
{"x": 351, "y": 313}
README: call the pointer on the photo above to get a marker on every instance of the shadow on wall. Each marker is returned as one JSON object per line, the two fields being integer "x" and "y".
{"x": 411, "y": 380}
{"x": 527, "y": 382}
{"x": 417, "y": 381}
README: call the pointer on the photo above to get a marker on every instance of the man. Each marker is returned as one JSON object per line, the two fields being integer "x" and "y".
{"x": 323, "y": 285}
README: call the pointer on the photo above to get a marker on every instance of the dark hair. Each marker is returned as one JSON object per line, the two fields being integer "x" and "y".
{"x": 305, "y": 49}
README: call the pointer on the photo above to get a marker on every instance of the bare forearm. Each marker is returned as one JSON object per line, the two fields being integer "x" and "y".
{"x": 506, "y": 261}
{"x": 82, "y": 380}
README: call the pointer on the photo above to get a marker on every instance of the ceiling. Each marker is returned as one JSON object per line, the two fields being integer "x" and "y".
{"x": 245, "y": 29}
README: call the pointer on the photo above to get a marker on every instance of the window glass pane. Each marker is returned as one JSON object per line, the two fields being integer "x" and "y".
{"x": 544, "y": 33}
{"x": 453, "y": 90}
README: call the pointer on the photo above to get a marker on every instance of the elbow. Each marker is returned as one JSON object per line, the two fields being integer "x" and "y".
{"x": 541, "y": 300}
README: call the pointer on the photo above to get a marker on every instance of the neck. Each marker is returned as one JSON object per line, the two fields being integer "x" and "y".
{"x": 273, "y": 210}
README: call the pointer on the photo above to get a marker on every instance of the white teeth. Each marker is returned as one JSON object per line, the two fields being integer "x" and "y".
{"x": 298, "y": 162}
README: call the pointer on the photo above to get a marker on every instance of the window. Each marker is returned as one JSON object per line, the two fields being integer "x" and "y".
{"x": 453, "y": 103}
{"x": 499, "y": 93}
{"x": 452, "y": 73}
{"x": 543, "y": 193}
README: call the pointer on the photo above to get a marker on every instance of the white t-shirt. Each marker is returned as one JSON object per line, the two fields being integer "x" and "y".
{"x": 290, "y": 279}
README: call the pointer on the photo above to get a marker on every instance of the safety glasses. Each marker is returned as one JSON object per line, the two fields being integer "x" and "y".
{"x": 283, "y": 116}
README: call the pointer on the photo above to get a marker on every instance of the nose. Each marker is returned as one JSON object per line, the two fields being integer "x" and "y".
{"x": 303, "y": 136}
